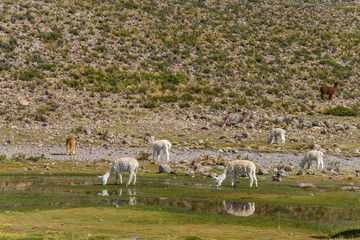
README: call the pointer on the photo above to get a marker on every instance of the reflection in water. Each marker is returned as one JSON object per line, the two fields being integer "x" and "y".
{"x": 15, "y": 185}
{"x": 77, "y": 191}
{"x": 130, "y": 201}
{"x": 103, "y": 193}
{"x": 240, "y": 209}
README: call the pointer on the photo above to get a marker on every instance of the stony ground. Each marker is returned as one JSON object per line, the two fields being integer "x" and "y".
{"x": 57, "y": 153}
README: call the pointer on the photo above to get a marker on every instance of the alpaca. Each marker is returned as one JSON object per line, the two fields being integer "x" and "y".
{"x": 239, "y": 168}
{"x": 159, "y": 145}
{"x": 275, "y": 133}
{"x": 240, "y": 209}
{"x": 70, "y": 145}
{"x": 327, "y": 90}
{"x": 313, "y": 156}
{"x": 123, "y": 164}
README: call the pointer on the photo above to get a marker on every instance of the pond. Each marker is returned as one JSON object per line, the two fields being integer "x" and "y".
{"x": 29, "y": 192}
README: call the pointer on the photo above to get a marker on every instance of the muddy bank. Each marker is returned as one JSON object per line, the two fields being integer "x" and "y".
{"x": 97, "y": 153}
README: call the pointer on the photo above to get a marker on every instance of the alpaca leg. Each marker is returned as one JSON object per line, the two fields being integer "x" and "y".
{"x": 157, "y": 155}
{"x": 251, "y": 179}
{"x": 255, "y": 179}
{"x": 331, "y": 96}
{"x": 167, "y": 154}
{"x": 116, "y": 177}
{"x": 322, "y": 163}
{"x": 130, "y": 178}
{"x": 154, "y": 154}
{"x": 233, "y": 183}
{"x": 282, "y": 138}
{"x": 276, "y": 136}
{"x": 120, "y": 176}
{"x": 134, "y": 178}
{"x": 322, "y": 96}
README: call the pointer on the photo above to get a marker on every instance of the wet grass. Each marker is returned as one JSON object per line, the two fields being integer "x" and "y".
{"x": 65, "y": 204}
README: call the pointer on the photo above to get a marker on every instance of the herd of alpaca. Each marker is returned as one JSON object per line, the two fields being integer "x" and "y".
{"x": 235, "y": 168}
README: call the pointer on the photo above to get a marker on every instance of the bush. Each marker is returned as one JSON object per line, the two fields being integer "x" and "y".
{"x": 341, "y": 111}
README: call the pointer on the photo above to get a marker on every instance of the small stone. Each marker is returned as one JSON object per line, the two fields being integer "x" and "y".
{"x": 164, "y": 168}
{"x": 100, "y": 220}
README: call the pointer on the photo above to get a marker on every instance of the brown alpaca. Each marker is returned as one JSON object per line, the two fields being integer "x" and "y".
{"x": 70, "y": 145}
{"x": 327, "y": 90}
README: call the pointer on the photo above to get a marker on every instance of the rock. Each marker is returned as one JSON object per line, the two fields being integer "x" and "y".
{"x": 232, "y": 119}
{"x": 87, "y": 130}
{"x": 306, "y": 185}
{"x": 318, "y": 124}
{"x": 278, "y": 179}
{"x": 42, "y": 118}
{"x": 337, "y": 150}
{"x": 126, "y": 141}
{"x": 164, "y": 168}
{"x": 306, "y": 124}
{"x": 295, "y": 122}
{"x": 100, "y": 220}
{"x": 201, "y": 141}
{"x": 149, "y": 140}
{"x": 245, "y": 135}
{"x": 280, "y": 119}
{"x": 176, "y": 171}
{"x": 301, "y": 173}
{"x": 23, "y": 102}
{"x": 282, "y": 173}
{"x": 263, "y": 171}
{"x": 309, "y": 139}
{"x": 288, "y": 168}
{"x": 339, "y": 127}
{"x": 330, "y": 122}
{"x": 219, "y": 167}
{"x": 212, "y": 175}
{"x": 189, "y": 171}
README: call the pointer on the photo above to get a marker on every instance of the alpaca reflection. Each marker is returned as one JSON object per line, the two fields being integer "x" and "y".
{"x": 240, "y": 209}
{"x": 103, "y": 192}
{"x": 130, "y": 193}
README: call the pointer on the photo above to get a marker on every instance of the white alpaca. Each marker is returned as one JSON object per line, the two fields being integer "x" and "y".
{"x": 313, "y": 156}
{"x": 240, "y": 209}
{"x": 275, "y": 133}
{"x": 239, "y": 168}
{"x": 123, "y": 164}
{"x": 159, "y": 145}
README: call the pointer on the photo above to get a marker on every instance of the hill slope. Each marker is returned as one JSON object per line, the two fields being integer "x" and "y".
{"x": 113, "y": 60}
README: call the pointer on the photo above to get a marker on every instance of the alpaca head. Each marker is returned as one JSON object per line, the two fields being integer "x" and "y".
{"x": 103, "y": 180}
{"x": 336, "y": 84}
{"x": 219, "y": 180}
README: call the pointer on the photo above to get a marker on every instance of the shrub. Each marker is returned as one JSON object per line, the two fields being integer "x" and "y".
{"x": 341, "y": 111}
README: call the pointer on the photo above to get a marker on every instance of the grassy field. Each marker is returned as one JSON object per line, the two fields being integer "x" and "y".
{"x": 73, "y": 205}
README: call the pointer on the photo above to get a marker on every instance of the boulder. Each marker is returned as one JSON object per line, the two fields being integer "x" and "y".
{"x": 282, "y": 173}
{"x": 164, "y": 168}
{"x": 263, "y": 171}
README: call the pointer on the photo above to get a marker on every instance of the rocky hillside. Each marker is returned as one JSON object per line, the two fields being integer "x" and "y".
{"x": 65, "y": 64}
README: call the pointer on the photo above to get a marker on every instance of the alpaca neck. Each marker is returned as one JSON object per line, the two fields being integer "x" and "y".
{"x": 108, "y": 173}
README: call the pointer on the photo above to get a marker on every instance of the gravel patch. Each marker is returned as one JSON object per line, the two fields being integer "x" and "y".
{"x": 58, "y": 153}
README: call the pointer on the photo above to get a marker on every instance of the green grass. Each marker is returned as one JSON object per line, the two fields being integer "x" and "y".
{"x": 68, "y": 200}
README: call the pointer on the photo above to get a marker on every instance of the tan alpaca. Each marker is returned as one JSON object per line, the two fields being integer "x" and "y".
{"x": 70, "y": 145}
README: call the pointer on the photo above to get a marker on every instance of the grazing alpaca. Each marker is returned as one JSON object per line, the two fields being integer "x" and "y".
{"x": 240, "y": 168}
{"x": 123, "y": 164}
{"x": 159, "y": 145}
{"x": 327, "y": 90}
{"x": 239, "y": 209}
{"x": 313, "y": 156}
{"x": 277, "y": 132}
{"x": 70, "y": 145}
